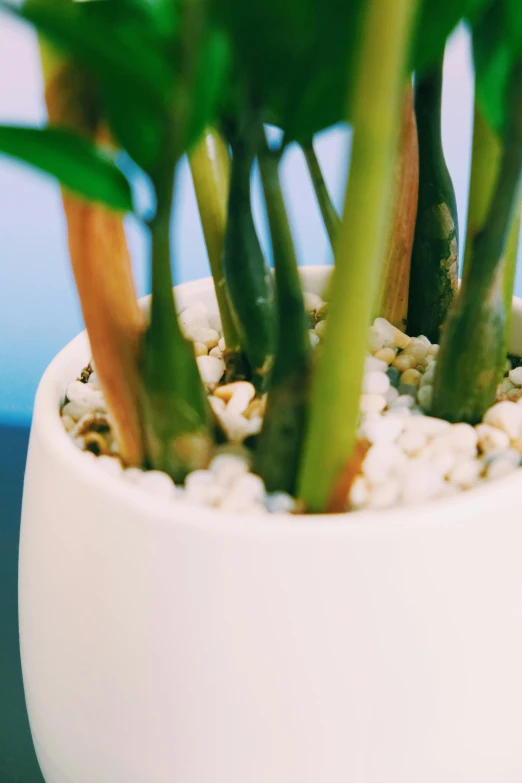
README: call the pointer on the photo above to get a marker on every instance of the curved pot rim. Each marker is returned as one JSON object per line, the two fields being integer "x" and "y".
{"x": 47, "y": 427}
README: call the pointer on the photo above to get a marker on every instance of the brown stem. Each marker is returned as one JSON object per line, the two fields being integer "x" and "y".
{"x": 102, "y": 270}
{"x": 393, "y": 298}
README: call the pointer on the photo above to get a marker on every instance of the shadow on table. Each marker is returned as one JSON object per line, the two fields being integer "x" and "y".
{"x": 17, "y": 758}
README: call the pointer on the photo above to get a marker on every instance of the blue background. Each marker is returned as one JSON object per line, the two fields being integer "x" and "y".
{"x": 39, "y": 310}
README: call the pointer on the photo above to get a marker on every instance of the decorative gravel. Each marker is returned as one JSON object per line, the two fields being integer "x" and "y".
{"x": 411, "y": 457}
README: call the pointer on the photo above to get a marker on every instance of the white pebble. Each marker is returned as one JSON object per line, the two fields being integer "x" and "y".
{"x": 110, "y": 465}
{"x": 359, "y": 493}
{"x": 412, "y": 441}
{"x": 491, "y": 438}
{"x": 314, "y": 337}
{"x": 463, "y": 437}
{"x": 383, "y": 461}
{"x": 391, "y": 332}
{"x": 214, "y": 322}
{"x": 228, "y": 467}
{"x": 221, "y": 344}
{"x": 247, "y": 490}
{"x": 442, "y": 462}
{"x": 202, "y": 487}
{"x": 320, "y": 327}
{"x": 501, "y": 467}
{"x": 433, "y": 349}
{"x": 384, "y": 429}
{"x": 94, "y": 381}
{"x": 416, "y": 349}
{"x": 386, "y": 355}
{"x": 506, "y": 386}
{"x": 280, "y": 503}
{"x": 403, "y": 401}
{"x": 377, "y": 340}
{"x": 157, "y": 483}
{"x": 312, "y": 302}
{"x": 193, "y": 318}
{"x": 133, "y": 475}
{"x": 237, "y": 427}
{"x": 391, "y": 395}
{"x": 372, "y": 364}
{"x": 210, "y": 368}
{"x": 384, "y": 495}
{"x": 411, "y": 377}
{"x": 515, "y": 376}
{"x": 85, "y": 394}
{"x": 75, "y": 410}
{"x": 420, "y": 482}
{"x": 208, "y": 337}
{"x": 216, "y": 352}
{"x": 200, "y": 349}
{"x": 425, "y": 397}
{"x": 424, "y": 340}
{"x": 217, "y": 405}
{"x": 404, "y": 362}
{"x": 428, "y": 425}
{"x": 465, "y": 473}
{"x": 507, "y": 416}
{"x": 375, "y": 382}
{"x": 372, "y": 403}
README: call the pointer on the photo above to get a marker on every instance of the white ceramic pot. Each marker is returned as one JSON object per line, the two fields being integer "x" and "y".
{"x": 177, "y": 645}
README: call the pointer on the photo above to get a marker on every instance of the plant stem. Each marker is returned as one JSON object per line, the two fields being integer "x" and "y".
{"x": 248, "y": 278}
{"x": 101, "y": 264}
{"x": 332, "y": 431}
{"x": 329, "y": 214}
{"x": 510, "y": 266}
{"x": 485, "y": 164}
{"x": 434, "y": 262}
{"x": 392, "y": 302}
{"x": 175, "y": 409}
{"x": 210, "y": 167}
{"x": 176, "y": 414}
{"x": 473, "y": 350}
{"x": 279, "y": 447}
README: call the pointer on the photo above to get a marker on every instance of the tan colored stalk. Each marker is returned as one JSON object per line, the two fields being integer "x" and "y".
{"x": 101, "y": 265}
{"x": 392, "y": 302}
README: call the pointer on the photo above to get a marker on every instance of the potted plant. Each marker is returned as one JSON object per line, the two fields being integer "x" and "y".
{"x": 263, "y": 562}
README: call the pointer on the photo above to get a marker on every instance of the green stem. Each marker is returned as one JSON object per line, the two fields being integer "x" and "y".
{"x": 434, "y": 261}
{"x": 329, "y": 214}
{"x": 210, "y": 167}
{"x": 360, "y": 248}
{"x": 485, "y": 164}
{"x": 473, "y": 349}
{"x": 248, "y": 278}
{"x": 510, "y": 266}
{"x": 279, "y": 447}
{"x": 174, "y": 404}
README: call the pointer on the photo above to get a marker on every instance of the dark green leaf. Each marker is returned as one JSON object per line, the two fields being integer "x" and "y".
{"x": 297, "y": 56}
{"x": 497, "y": 45}
{"x": 436, "y": 19}
{"x": 81, "y": 167}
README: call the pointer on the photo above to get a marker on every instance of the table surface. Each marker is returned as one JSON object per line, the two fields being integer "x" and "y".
{"x": 18, "y": 762}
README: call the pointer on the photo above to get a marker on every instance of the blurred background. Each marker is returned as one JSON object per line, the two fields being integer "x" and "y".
{"x": 39, "y": 310}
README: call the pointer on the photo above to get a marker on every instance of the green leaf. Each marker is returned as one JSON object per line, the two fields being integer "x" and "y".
{"x": 436, "y": 20}
{"x": 115, "y": 51}
{"x": 298, "y": 56}
{"x": 79, "y": 166}
{"x": 497, "y": 45}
